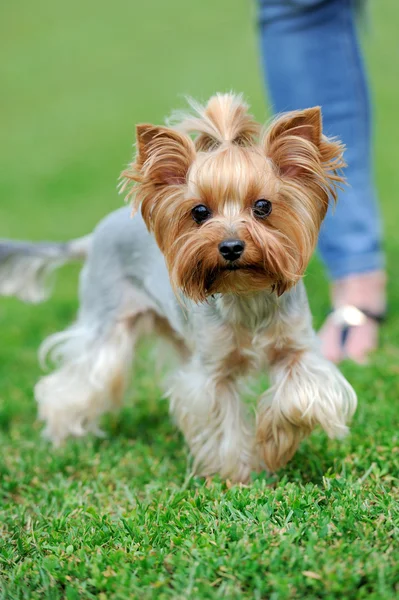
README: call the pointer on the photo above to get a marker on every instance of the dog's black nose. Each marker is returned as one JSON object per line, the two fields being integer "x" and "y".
{"x": 231, "y": 250}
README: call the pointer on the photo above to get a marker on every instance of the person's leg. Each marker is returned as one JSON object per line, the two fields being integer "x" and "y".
{"x": 311, "y": 57}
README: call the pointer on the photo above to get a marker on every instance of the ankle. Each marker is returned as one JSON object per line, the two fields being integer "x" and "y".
{"x": 365, "y": 290}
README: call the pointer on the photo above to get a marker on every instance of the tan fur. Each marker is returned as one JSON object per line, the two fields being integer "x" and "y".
{"x": 163, "y": 329}
{"x": 292, "y": 165}
{"x": 277, "y": 355}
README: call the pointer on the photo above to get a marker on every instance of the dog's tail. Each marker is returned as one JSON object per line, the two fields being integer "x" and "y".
{"x": 224, "y": 120}
{"x": 26, "y": 267}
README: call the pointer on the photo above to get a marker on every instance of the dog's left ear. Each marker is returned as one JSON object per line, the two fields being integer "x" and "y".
{"x": 293, "y": 140}
{"x": 296, "y": 145}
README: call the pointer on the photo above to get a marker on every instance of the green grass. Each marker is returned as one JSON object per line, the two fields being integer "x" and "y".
{"x": 119, "y": 518}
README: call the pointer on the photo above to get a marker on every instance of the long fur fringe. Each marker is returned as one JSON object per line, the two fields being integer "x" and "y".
{"x": 92, "y": 375}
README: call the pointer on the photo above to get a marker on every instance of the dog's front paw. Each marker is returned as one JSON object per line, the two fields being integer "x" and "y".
{"x": 277, "y": 439}
{"x": 305, "y": 394}
{"x": 239, "y": 472}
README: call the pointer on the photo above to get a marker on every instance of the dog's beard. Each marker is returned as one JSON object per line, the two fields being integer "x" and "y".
{"x": 237, "y": 279}
{"x": 240, "y": 279}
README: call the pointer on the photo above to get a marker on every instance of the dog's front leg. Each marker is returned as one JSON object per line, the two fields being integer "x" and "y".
{"x": 307, "y": 390}
{"x": 208, "y": 410}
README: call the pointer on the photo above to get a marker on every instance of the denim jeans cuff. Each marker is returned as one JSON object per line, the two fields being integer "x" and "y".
{"x": 356, "y": 265}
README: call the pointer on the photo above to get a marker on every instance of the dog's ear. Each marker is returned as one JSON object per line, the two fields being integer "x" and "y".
{"x": 293, "y": 141}
{"x": 162, "y": 161}
{"x": 164, "y": 155}
{"x": 304, "y": 157}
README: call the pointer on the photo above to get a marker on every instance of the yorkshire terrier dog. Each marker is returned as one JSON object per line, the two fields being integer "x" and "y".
{"x": 228, "y": 216}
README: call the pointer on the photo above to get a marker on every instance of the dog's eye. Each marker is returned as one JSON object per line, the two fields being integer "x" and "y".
{"x": 200, "y": 213}
{"x": 262, "y": 208}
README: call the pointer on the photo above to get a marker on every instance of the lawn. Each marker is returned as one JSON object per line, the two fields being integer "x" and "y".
{"x": 120, "y": 518}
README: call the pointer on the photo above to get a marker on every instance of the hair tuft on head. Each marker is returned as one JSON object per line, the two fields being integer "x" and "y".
{"x": 224, "y": 120}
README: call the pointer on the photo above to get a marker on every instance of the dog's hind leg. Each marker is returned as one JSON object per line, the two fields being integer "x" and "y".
{"x": 119, "y": 301}
{"x": 94, "y": 355}
{"x": 93, "y": 373}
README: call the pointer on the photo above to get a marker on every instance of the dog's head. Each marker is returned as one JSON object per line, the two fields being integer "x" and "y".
{"x": 235, "y": 210}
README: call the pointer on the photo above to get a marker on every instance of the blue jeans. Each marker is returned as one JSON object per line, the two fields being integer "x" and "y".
{"x": 312, "y": 57}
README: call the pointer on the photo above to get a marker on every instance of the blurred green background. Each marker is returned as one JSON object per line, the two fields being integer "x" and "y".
{"x": 75, "y": 78}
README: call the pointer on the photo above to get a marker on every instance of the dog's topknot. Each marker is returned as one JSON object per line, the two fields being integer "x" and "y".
{"x": 224, "y": 120}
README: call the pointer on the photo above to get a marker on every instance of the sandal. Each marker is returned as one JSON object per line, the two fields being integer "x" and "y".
{"x": 349, "y": 316}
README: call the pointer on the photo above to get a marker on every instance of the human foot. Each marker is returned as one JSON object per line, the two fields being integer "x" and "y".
{"x": 365, "y": 292}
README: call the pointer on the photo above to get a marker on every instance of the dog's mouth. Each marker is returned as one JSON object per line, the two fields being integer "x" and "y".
{"x": 226, "y": 269}
{"x": 234, "y": 267}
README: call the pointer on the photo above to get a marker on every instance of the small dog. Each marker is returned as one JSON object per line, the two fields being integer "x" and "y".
{"x": 228, "y": 219}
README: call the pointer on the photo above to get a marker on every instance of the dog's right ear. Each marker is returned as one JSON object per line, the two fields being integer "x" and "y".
{"x": 163, "y": 158}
